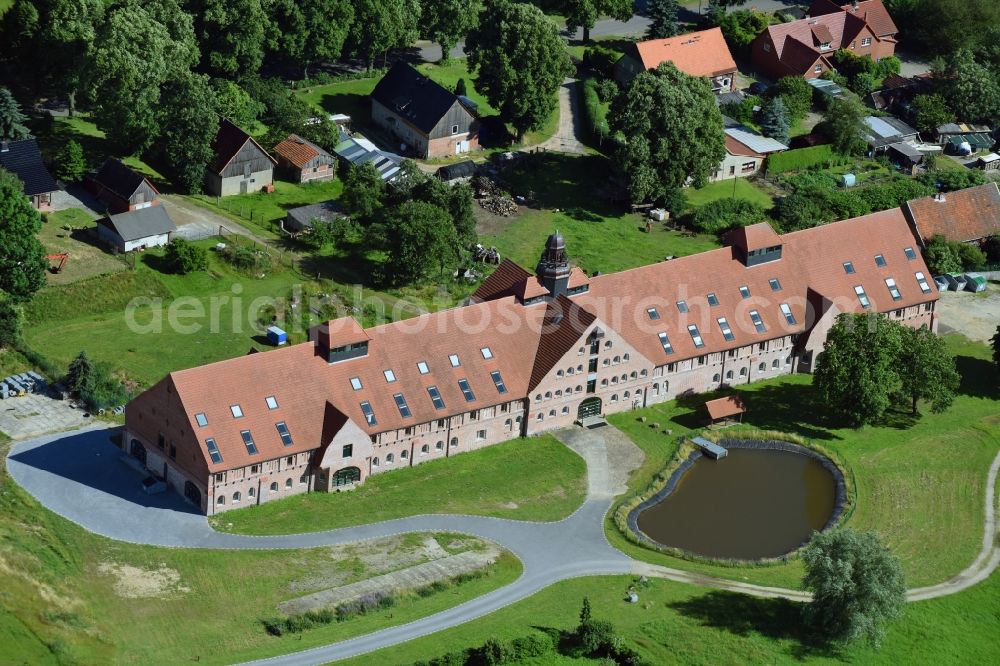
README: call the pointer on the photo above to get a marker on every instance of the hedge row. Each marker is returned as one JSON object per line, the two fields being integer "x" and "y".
{"x": 800, "y": 158}
{"x": 593, "y": 115}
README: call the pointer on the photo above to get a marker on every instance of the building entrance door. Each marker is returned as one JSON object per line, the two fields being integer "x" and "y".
{"x": 138, "y": 451}
{"x": 192, "y": 493}
{"x": 589, "y": 407}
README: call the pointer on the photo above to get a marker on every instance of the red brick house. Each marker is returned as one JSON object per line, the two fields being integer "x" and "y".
{"x": 703, "y": 53}
{"x": 806, "y": 47}
{"x": 121, "y": 188}
{"x": 302, "y": 161}
{"x": 530, "y": 352}
{"x": 429, "y": 119}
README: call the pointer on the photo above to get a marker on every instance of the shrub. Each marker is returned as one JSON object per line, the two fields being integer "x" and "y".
{"x": 70, "y": 165}
{"x": 496, "y": 652}
{"x": 796, "y": 94}
{"x": 246, "y": 257}
{"x": 949, "y": 181}
{"x": 10, "y": 323}
{"x": 183, "y": 257}
{"x": 725, "y": 214}
{"x": 606, "y": 90}
{"x": 596, "y": 636}
{"x": 532, "y": 645}
{"x": 593, "y": 114}
{"x": 601, "y": 59}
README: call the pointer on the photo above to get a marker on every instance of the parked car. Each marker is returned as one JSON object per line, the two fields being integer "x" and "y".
{"x": 942, "y": 282}
{"x": 956, "y": 281}
{"x": 153, "y": 486}
{"x": 758, "y": 88}
{"x": 975, "y": 282}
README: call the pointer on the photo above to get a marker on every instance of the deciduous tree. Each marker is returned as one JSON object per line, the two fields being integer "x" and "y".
{"x": 190, "y": 122}
{"x": 22, "y": 257}
{"x": 856, "y": 374}
{"x": 12, "y": 119}
{"x": 584, "y": 13}
{"x": 941, "y": 256}
{"x": 448, "y": 21}
{"x": 930, "y": 112}
{"x": 995, "y": 340}
{"x": 670, "y": 128}
{"x": 422, "y": 240}
{"x": 972, "y": 88}
{"x": 382, "y": 25}
{"x": 184, "y": 257}
{"x": 235, "y": 103}
{"x": 519, "y": 61}
{"x": 662, "y": 19}
{"x": 844, "y": 122}
{"x": 857, "y": 585}
{"x": 10, "y": 323}
{"x": 364, "y": 190}
{"x": 231, "y": 33}
{"x": 926, "y": 369}
{"x": 796, "y": 94}
{"x": 311, "y": 31}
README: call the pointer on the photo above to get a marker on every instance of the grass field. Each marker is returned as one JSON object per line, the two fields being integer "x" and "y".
{"x": 675, "y": 623}
{"x": 919, "y": 484}
{"x": 70, "y": 597}
{"x": 262, "y": 212}
{"x": 725, "y": 189}
{"x": 86, "y": 257}
{"x": 569, "y": 194}
{"x": 541, "y": 480}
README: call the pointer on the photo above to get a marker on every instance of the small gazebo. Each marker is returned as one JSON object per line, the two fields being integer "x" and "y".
{"x": 725, "y": 410}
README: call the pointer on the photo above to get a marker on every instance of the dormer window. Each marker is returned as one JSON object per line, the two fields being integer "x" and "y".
{"x": 201, "y": 419}
{"x": 422, "y": 367}
{"x": 390, "y": 376}
{"x": 825, "y": 46}
{"x": 487, "y": 353}
{"x": 237, "y": 411}
{"x": 356, "y": 383}
{"x": 453, "y": 359}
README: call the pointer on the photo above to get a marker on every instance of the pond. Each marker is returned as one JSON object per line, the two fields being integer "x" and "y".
{"x": 754, "y": 503}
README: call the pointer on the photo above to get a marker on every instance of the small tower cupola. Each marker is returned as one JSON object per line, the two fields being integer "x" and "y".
{"x": 553, "y": 269}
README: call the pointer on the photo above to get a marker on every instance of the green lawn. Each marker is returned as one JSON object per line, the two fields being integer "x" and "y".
{"x": 87, "y": 256}
{"x": 739, "y": 188}
{"x": 262, "y": 212}
{"x": 541, "y": 480}
{"x": 919, "y": 484}
{"x": 571, "y": 194}
{"x": 675, "y": 623}
{"x": 62, "y": 605}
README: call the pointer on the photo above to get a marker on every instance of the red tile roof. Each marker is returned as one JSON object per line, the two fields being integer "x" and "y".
{"x": 872, "y": 12}
{"x": 721, "y": 408}
{"x": 702, "y": 53}
{"x": 297, "y": 150}
{"x": 755, "y": 237}
{"x": 797, "y": 43}
{"x": 734, "y": 147}
{"x": 963, "y": 215}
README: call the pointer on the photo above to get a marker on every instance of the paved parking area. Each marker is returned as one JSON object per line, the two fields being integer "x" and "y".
{"x": 37, "y": 414}
{"x": 976, "y": 316}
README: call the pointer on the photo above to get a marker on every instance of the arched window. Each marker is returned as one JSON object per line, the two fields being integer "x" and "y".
{"x": 656, "y": 389}
{"x": 508, "y": 424}
{"x": 614, "y": 397}
{"x": 548, "y": 395}
{"x": 565, "y": 410}
{"x": 570, "y": 371}
{"x": 538, "y": 397}
{"x": 579, "y": 368}
{"x": 579, "y": 388}
{"x": 439, "y": 446}
{"x": 237, "y": 497}
{"x": 552, "y": 412}
{"x": 559, "y": 373}
{"x": 788, "y": 360}
{"x": 540, "y": 416}
{"x": 762, "y": 367}
{"x": 375, "y": 462}
{"x": 604, "y": 382}
{"x": 425, "y": 449}
{"x": 614, "y": 380}
{"x": 638, "y": 392}
{"x": 607, "y": 344}
{"x": 606, "y": 363}
{"x": 633, "y": 376}
{"x": 288, "y": 484}
{"x": 625, "y": 357}
{"x": 617, "y": 360}
{"x": 666, "y": 388}
{"x": 624, "y": 378}
{"x": 389, "y": 459}
{"x": 625, "y": 395}
{"x": 274, "y": 486}
{"x": 729, "y": 374}
{"x": 716, "y": 377}
{"x": 775, "y": 363}
{"x": 743, "y": 372}
{"x": 580, "y": 351}
{"x": 252, "y": 492}
{"x": 559, "y": 393}
{"x": 404, "y": 454}
{"x": 454, "y": 442}
{"x": 220, "y": 500}
{"x": 643, "y": 373}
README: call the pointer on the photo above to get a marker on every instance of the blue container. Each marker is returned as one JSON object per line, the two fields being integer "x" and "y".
{"x": 276, "y": 336}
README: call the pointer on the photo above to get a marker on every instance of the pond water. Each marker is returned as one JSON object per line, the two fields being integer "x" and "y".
{"x": 754, "y": 503}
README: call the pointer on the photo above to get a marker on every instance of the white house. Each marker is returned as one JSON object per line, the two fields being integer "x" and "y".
{"x": 137, "y": 229}
{"x": 745, "y": 152}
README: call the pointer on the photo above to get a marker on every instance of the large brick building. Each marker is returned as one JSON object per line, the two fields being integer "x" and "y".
{"x": 806, "y": 47}
{"x": 528, "y": 353}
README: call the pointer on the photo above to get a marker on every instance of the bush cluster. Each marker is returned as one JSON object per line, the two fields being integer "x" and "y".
{"x": 496, "y": 652}
{"x": 593, "y": 115}
{"x": 294, "y": 624}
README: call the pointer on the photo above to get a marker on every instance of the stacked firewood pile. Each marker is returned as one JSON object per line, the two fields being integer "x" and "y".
{"x": 492, "y": 198}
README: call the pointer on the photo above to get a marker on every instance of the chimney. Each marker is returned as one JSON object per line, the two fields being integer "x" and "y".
{"x": 939, "y": 196}
{"x": 4, "y": 147}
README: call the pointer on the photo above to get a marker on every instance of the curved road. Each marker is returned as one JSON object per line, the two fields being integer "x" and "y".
{"x": 77, "y": 476}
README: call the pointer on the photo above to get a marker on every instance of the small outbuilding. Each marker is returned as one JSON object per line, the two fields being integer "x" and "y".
{"x": 457, "y": 173}
{"x": 121, "y": 188}
{"x": 302, "y": 218}
{"x": 302, "y": 161}
{"x": 137, "y": 229}
{"x": 990, "y": 162}
{"x": 725, "y": 410}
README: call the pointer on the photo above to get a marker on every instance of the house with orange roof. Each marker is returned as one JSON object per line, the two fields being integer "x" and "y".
{"x": 703, "y": 53}
{"x": 971, "y": 215}
{"x": 529, "y": 352}
{"x": 302, "y": 161}
{"x": 806, "y": 47}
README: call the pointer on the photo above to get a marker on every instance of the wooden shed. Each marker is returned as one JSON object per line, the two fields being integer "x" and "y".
{"x": 121, "y": 188}
{"x": 301, "y": 160}
{"x": 725, "y": 410}
{"x": 240, "y": 165}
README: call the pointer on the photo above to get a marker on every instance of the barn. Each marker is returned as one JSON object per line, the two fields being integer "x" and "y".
{"x": 121, "y": 188}
{"x": 137, "y": 229}
{"x": 240, "y": 165}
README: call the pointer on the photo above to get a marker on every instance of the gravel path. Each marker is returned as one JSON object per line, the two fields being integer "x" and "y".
{"x": 78, "y": 476}
{"x": 567, "y": 136}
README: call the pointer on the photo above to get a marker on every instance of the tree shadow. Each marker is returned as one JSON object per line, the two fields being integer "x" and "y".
{"x": 356, "y": 105}
{"x": 743, "y": 615}
{"x": 572, "y": 184}
{"x": 979, "y": 377}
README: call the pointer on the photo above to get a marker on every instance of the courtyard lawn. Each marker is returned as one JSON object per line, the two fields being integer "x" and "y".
{"x": 725, "y": 189}
{"x": 87, "y": 256}
{"x": 525, "y": 479}
{"x": 263, "y": 212}
{"x": 674, "y": 623}
{"x": 571, "y": 194}
{"x": 920, "y": 483}
{"x": 71, "y": 597}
